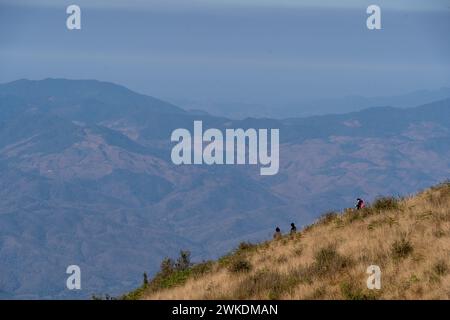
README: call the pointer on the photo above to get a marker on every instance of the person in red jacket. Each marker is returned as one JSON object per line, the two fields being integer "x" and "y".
{"x": 359, "y": 204}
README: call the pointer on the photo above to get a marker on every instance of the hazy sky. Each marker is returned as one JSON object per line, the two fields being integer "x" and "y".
{"x": 260, "y": 51}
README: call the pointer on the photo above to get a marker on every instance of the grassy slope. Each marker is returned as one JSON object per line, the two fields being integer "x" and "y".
{"x": 408, "y": 238}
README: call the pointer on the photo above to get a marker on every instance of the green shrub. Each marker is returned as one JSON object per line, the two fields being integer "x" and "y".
{"x": 386, "y": 204}
{"x": 401, "y": 248}
{"x": 135, "y": 294}
{"x": 171, "y": 274}
{"x": 440, "y": 268}
{"x": 238, "y": 254}
{"x": 328, "y": 261}
{"x": 239, "y": 264}
{"x": 175, "y": 279}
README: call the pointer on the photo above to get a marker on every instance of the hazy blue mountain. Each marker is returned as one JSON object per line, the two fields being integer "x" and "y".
{"x": 86, "y": 179}
{"x": 306, "y": 108}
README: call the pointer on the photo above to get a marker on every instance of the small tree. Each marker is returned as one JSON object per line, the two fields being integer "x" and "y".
{"x": 183, "y": 261}
{"x": 145, "y": 282}
{"x": 167, "y": 267}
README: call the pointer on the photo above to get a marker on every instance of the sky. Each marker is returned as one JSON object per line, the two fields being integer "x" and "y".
{"x": 255, "y": 51}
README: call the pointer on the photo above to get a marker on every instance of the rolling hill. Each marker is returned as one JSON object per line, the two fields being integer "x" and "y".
{"x": 408, "y": 239}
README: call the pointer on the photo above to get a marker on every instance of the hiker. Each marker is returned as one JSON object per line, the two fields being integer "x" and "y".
{"x": 277, "y": 235}
{"x": 293, "y": 228}
{"x": 359, "y": 204}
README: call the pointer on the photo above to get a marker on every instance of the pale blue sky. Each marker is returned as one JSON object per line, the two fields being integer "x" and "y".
{"x": 403, "y": 5}
{"x": 264, "y": 51}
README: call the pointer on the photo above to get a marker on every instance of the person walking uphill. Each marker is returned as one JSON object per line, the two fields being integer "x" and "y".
{"x": 293, "y": 228}
{"x": 359, "y": 204}
{"x": 277, "y": 235}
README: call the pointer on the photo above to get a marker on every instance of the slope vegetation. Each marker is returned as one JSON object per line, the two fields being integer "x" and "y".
{"x": 408, "y": 238}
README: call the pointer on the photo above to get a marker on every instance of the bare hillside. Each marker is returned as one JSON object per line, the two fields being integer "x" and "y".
{"x": 409, "y": 239}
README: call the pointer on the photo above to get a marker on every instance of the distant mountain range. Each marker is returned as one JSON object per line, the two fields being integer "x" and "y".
{"x": 86, "y": 179}
{"x": 312, "y": 107}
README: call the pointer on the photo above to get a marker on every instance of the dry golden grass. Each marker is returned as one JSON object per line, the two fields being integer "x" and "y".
{"x": 328, "y": 260}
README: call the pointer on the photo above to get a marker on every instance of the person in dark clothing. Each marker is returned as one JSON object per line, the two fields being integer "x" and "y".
{"x": 277, "y": 235}
{"x": 359, "y": 204}
{"x": 293, "y": 228}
